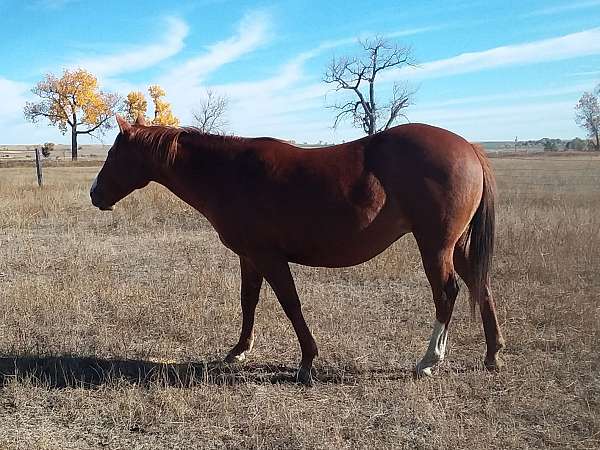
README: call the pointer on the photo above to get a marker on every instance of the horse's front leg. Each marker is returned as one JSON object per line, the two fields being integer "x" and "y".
{"x": 250, "y": 293}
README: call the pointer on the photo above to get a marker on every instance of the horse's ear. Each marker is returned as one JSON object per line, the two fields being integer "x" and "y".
{"x": 124, "y": 126}
{"x": 140, "y": 120}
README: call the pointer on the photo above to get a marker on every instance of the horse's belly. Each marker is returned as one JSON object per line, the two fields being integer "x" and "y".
{"x": 347, "y": 250}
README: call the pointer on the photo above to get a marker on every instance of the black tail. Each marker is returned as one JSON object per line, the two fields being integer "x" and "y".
{"x": 481, "y": 233}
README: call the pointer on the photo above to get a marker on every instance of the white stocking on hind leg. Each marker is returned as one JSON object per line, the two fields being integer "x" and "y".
{"x": 435, "y": 351}
{"x": 440, "y": 273}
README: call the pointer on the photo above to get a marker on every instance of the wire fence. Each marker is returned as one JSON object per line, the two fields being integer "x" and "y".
{"x": 548, "y": 174}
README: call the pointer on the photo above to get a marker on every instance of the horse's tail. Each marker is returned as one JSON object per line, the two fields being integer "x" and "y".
{"x": 480, "y": 234}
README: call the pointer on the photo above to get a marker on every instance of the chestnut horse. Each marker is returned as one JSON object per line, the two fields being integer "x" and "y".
{"x": 273, "y": 203}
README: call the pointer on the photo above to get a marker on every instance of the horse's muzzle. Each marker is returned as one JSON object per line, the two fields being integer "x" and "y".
{"x": 98, "y": 204}
{"x": 97, "y": 200}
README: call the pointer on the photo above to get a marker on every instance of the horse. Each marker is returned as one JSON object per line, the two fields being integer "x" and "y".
{"x": 273, "y": 203}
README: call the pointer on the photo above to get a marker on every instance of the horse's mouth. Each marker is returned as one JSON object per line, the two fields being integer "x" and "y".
{"x": 101, "y": 206}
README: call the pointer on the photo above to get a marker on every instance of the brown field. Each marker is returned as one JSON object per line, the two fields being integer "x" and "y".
{"x": 112, "y": 326}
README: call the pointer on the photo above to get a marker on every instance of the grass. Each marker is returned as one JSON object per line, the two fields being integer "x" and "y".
{"x": 112, "y": 326}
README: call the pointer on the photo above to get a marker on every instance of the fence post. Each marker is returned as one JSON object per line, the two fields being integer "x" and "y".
{"x": 38, "y": 166}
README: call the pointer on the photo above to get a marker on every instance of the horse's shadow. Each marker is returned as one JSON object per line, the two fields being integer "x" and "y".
{"x": 90, "y": 372}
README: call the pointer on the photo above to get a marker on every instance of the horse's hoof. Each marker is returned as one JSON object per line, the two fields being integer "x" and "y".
{"x": 305, "y": 376}
{"x": 423, "y": 372}
{"x": 232, "y": 358}
{"x": 493, "y": 364}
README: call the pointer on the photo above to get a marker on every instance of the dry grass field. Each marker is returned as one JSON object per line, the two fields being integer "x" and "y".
{"x": 112, "y": 326}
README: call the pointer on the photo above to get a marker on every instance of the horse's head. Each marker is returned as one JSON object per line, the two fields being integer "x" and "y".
{"x": 126, "y": 168}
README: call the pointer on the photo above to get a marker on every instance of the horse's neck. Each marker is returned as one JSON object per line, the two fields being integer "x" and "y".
{"x": 195, "y": 173}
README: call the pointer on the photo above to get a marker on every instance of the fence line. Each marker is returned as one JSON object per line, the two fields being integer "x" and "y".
{"x": 551, "y": 171}
{"x": 547, "y": 158}
{"x": 554, "y": 184}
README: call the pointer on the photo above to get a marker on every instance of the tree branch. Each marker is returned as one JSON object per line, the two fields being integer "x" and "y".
{"x": 95, "y": 127}
{"x": 211, "y": 116}
{"x": 349, "y": 74}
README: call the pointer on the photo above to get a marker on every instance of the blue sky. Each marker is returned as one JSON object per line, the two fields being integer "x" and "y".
{"x": 488, "y": 70}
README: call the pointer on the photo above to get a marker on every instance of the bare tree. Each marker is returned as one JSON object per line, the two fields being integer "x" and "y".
{"x": 210, "y": 118}
{"x": 587, "y": 115}
{"x": 353, "y": 74}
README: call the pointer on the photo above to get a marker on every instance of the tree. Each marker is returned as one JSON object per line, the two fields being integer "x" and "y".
{"x": 587, "y": 116}
{"x": 135, "y": 106}
{"x": 210, "y": 118}
{"x": 73, "y": 100}
{"x": 351, "y": 74}
{"x": 162, "y": 110}
{"x": 47, "y": 148}
{"x": 576, "y": 144}
{"x": 550, "y": 145}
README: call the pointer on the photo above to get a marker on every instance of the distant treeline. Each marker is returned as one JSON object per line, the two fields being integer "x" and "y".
{"x": 556, "y": 145}
{"x": 545, "y": 144}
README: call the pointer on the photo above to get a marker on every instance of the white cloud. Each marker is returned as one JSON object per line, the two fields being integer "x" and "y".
{"x": 411, "y": 31}
{"x": 51, "y": 4}
{"x": 577, "y": 89}
{"x": 588, "y": 73}
{"x": 558, "y": 9}
{"x": 185, "y": 85}
{"x": 14, "y": 94}
{"x": 258, "y": 107}
{"x": 251, "y": 32}
{"x": 569, "y": 46}
{"x": 139, "y": 58}
{"x": 332, "y": 44}
{"x": 503, "y": 122}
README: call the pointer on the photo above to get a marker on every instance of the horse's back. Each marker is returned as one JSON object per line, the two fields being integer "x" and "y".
{"x": 344, "y": 204}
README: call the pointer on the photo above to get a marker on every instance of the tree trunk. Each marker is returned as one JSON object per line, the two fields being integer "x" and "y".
{"x": 597, "y": 141}
{"x": 372, "y": 120}
{"x": 74, "y": 144}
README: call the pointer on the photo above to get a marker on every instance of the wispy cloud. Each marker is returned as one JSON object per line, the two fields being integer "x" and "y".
{"x": 564, "y": 8}
{"x": 271, "y": 102}
{"x": 51, "y": 4}
{"x": 514, "y": 95}
{"x": 139, "y": 58}
{"x": 569, "y": 46}
{"x": 412, "y": 31}
{"x": 251, "y": 32}
{"x": 13, "y": 95}
{"x": 501, "y": 122}
{"x": 333, "y": 44}
{"x": 586, "y": 73}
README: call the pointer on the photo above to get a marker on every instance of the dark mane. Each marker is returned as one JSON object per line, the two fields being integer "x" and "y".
{"x": 163, "y": 141}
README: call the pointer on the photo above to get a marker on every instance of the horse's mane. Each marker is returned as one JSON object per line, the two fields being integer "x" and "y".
{"x": 163, "y": 141}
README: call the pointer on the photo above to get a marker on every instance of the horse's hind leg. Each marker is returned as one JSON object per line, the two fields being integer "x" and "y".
{"x": 250, "y": 293}
{"x": 493, "y": 335}
{"x": 439, "y": 269}
{"x": 276, "y": 271}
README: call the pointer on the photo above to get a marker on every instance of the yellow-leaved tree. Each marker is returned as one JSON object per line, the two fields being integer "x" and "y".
{"x": 162, "y": 110}
{"x": 136, "y": 106}
{"x": 73, "y": 101}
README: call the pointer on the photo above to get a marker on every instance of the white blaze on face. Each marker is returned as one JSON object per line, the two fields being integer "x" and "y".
{"x": 436, "y": 350}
